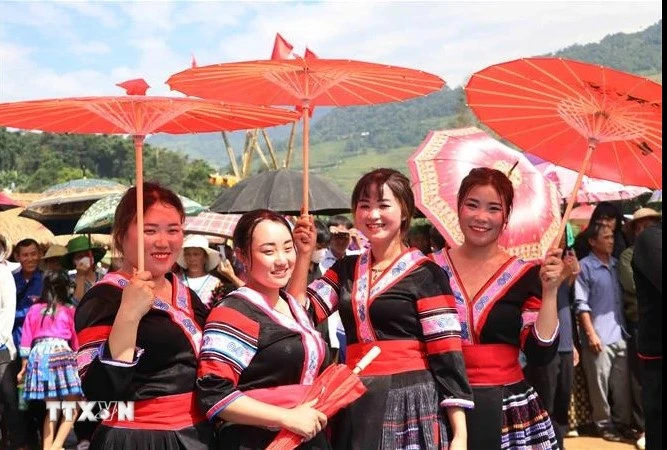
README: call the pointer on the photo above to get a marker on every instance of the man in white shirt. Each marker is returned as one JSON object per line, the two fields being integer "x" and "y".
{"x": 7, "y": 348}
{"x": 342, "y": 236}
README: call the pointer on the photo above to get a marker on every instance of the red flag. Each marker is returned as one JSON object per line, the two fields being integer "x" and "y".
{"x": 281, "y": 48}
{"x": 194, "y": 62}
{"x": 309, "y": 54}
{"x": 138, "y": 86}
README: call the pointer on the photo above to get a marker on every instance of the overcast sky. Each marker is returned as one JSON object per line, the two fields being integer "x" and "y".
{"x": 58, "y": 48}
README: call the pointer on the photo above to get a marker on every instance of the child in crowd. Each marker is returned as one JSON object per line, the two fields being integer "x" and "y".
{"x": 48, "y": 347}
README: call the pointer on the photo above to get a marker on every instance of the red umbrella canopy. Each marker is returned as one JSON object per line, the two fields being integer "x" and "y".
{"x": 445, "y": 157}
{"x": 138, "y": 115}
{"x": 306, "y": 83}
{"x": 557, "y": 108}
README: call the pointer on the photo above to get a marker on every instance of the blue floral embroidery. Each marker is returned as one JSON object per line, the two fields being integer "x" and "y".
{"x": 189, "y": 325}
{"x": 504, "y": 278}
{"x": 400, "y": 267}
{"x": 481, "y": 303}
{"x": 362, "y": 312}
{"x": 464, "y": 331}
{"x": 161, "y": 305}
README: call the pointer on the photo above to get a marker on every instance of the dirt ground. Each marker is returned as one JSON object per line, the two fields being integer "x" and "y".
{"x": 594, "y": 443}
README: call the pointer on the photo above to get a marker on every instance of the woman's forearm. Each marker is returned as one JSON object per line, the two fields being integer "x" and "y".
{"x": 457, "y": 420}
{"x": 547, "y": 318}
{"x": 298, "y": 282}
{"x": 123, "y": 337}
{"x": 248, "y": 411}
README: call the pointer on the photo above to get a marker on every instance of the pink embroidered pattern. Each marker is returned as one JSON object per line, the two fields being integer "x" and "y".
{"x": 362, "y": 294}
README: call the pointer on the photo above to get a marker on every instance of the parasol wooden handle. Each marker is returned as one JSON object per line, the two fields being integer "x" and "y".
{"x": 367, "y": 359}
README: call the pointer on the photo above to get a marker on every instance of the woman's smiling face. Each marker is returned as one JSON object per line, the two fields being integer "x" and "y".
{"x": 272, "y": 255}
{"x": 481, "y": 216}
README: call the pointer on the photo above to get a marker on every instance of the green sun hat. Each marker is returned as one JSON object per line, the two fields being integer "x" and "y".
{"x": 81, "y": 244}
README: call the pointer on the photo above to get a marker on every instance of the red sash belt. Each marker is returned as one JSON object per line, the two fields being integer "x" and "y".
{"x": 492, "y": 364}
{"x": 287, "y": 396}
{"x": 396, "y": 357}
{"x": 171, "y": 412}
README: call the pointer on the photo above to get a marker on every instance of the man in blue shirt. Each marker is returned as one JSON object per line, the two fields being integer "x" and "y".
{"x": 604, "y": 351}
{"x": 28, "y": 282}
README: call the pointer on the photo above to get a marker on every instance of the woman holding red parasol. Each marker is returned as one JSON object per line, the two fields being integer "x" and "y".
{"x": 260, "y": 352}
{"x": 140, "y": 333}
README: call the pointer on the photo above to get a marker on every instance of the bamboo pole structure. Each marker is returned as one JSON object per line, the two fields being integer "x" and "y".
{"x": 290, "y": 146}
{"x": 231, "y": 155}
{"x": 272, "y": 151}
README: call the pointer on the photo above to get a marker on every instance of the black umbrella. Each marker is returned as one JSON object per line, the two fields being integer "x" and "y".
{"x": 280, "y": 190}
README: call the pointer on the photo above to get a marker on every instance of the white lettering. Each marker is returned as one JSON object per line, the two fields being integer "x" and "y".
{"x": 107, "y": 410}
{"x": 126, "y": 411}
{"x": 53, "y": 408}
{"x": 87, "y": 412}
{"x": 69, "y": 410}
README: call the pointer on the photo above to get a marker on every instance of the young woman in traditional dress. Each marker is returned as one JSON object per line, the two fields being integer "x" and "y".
{"x": 261, "y": 351}
{"x": 48, "y": 353}
{"x": 505, "y": 305}
{"x": 393, "y": 297}
{"x": 140, "y": 334}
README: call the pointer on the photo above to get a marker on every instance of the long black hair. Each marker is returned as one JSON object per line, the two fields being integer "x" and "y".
{"x": 55, "y": 291}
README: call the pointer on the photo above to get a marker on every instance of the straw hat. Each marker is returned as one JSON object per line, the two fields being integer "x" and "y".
{"x": 198, "y": 241}
{"x": 55, "y": 251}
{"x": 643, "y": 213}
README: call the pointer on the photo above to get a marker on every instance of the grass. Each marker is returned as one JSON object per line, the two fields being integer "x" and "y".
{"x": 327, "y": 159}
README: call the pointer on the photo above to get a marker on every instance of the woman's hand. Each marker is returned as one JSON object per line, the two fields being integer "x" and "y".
{"x": 305, "y": 237}
{"x": 226, "y": 269}
{"x": 20, "y": 375}
{"x": 137, "y": 296}
{"x": 304, "y": 420}
{"x": 551, "y": 272}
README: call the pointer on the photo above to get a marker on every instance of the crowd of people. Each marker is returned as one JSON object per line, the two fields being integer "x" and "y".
{"x": 216, "y": 348}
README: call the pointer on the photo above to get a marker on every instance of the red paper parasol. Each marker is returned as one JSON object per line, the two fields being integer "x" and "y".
{"x": 601, "y": 122}
{"x": 305, "y": 83}
{"x": 137, "y": 115}
{"x": 334, "y": 389}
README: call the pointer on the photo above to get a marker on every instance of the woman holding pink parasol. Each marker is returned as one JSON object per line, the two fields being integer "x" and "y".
{"x": 505, "y": 304}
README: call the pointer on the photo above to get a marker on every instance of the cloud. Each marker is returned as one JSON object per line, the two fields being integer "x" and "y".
{"x": 100, "y": 44}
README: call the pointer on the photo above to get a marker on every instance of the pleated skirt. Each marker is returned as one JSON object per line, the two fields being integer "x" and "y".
{"x": 51, "y": 372}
